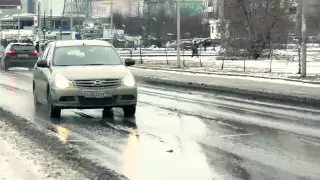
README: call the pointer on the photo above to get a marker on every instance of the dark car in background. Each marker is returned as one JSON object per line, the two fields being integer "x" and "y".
{"x": 19, "y": 55}
{"x": 186, "y": 44}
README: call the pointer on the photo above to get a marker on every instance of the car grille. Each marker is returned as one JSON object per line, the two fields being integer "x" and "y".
{"x": 99, "y": 83}
{"x": 97, "y": 101}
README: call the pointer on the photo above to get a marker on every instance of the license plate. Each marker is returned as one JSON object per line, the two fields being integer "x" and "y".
{"x": 22, "y": 55}
{"x": 97, "y": 94}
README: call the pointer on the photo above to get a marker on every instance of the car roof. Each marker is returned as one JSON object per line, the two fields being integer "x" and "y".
{"x": 67, "y": 43}
{"x": 19, "y": 43}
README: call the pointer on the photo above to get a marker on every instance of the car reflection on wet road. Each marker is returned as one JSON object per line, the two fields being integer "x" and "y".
{"x": 178, "y": 134}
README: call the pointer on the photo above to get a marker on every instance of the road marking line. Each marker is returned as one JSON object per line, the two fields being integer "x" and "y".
{"x": 93, "y": 140}
{"x": 234, "y": 135}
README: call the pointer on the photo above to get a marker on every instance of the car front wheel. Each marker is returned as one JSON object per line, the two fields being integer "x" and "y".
{"x": 129, "y": 110}
{"x": 35, "y": 98}
{"x": 54, "y": 112}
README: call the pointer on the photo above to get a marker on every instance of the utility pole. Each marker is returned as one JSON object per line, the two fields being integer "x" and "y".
{"x": 138, "y": 13}
{"x": 298, "y": 31}
{"x": 222, "y": 22}
{"x": 304, "y": 40}
{"x": 19, "y": 23}
{"x": 44, "y": 26}
{"x": 71, "y": 20}
{"x": 148, "y": 26}
{"x": 39, "y": 26}
{"x": 129, "y": 10}
{"x": 178, "y": 34}
{"x": 111, "y": 21}
{"x": 51, "y": 23}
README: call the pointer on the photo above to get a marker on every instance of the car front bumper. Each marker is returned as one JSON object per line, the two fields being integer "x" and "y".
{"x": 74, "y": 98}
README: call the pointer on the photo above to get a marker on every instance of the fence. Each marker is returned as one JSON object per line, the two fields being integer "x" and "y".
{"x": 273, "y": 60}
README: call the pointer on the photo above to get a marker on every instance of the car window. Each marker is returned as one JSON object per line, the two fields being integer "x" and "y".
{"x": 50, "y": 54}
{"x": 45, "y": 53}
{"x": 86, "y": 55}
{"x": 22, "y": 47}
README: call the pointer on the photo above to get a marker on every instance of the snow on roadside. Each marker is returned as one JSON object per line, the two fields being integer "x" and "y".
{"x": 14, "y": 167}
{"x": 20, "y": 158}
{"x": 252, "y": 66}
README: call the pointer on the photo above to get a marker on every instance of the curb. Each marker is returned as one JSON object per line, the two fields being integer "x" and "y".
{"x": 244, "y": 93}
{"x": 229, "y": 74}
{"x": 46, "y": 139}
{"x": 163, "y": 55}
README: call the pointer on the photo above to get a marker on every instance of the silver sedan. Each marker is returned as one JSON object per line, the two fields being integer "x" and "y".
{"x": 84, "y": 74}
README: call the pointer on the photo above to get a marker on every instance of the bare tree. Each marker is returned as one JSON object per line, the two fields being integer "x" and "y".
{"x": 253, "y": 24}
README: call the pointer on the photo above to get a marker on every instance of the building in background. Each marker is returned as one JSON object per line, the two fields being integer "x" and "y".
{"x": 31, "y": 6}
{"x": 55, "y": 5}
{"x": 99, "y": 8}
{"x": 14, "y": 10}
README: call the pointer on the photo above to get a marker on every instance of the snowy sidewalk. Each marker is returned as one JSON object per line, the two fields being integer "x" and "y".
{"x": 234, "y": 83}
{"x": 312, "y": 78}
{"x": 12, "y": 166}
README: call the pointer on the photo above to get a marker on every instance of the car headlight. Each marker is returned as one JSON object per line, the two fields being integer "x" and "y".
{"x": 62, "y": 82}
{"x": 129, "y": 80}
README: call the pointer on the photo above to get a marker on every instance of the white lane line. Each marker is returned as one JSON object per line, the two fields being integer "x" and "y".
{"x": 234, "y": 135}
{"x": 93, "y": 140}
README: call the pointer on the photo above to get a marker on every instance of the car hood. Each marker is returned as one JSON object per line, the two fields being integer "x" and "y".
{"x": 91, "y": 72}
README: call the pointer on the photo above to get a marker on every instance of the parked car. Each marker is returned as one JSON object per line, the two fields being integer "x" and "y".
{"x": 171, "y": 44}
{"x": 186, "y": 44}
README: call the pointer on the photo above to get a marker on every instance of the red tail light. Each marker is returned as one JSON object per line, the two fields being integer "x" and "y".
{"x": 35, "y": 52}
{"x": 11, "y": 52}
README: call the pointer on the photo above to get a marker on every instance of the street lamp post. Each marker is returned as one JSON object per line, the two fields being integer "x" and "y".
{"x": 111, "y": 21}
{"x": 203, "y": 21}
{"x": 39, "y": 25}
{"x": 19, "y": 11}
{"x": 71, "y": 20}
{"x": 304, "y": 40}
{"x": 178, "y": 34}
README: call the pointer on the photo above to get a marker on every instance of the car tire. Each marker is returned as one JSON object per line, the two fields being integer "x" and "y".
{"x": 106, "y": 112}
{"x": 35, "y": 98}
{"x": 54, "y": 112}
{"x": 129, "y": 111}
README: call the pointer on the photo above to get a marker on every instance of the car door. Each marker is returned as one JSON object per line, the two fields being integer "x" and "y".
{"x": 39, "y": 77}
{"x": 46, "y": 72}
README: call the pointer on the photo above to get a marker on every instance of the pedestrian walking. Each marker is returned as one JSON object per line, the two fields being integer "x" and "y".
{"x": 37, "y": 46}
{"x": 195, "y": 49}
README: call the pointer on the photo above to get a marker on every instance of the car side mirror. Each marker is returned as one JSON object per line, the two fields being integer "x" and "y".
{"x": 42, "y": 64}
{"x": 130, "y": 62}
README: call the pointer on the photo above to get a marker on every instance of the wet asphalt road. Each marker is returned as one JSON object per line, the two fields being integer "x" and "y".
{"x": 178, "y": 134}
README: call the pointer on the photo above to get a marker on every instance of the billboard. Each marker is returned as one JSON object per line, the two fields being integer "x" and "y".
{"x": 100, "y": 9}
{"x": 190, "y": 8}
{"x": 7, "y": 4}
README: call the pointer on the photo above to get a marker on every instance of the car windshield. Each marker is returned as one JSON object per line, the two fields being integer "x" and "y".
{"x": 22, "y": 47}
{"x": 86, "y": 55}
